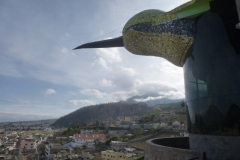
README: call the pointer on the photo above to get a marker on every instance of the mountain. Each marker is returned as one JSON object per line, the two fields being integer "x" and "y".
{"x": 151, "y": 99}
{"x": 102, "y": 112}
{"x": 13, "y": 117}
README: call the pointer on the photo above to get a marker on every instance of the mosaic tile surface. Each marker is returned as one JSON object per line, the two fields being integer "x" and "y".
{"x": 162, "y": 34}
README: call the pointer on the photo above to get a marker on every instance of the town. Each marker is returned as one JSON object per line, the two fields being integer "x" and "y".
{"x": 122, "y": 138}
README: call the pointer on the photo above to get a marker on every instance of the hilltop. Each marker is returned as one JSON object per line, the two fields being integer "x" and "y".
{"x": 102, "y": 112}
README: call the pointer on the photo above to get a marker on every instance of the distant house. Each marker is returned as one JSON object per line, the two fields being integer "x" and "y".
{"x": 176, "y": 124}
{"x": 128, "y": 118}
{"x": 125, "y": 124}
{"x": 28, "y": 154}
{"x": 120, "y": 118}
{"x": 110, "y": 154}
{"x": 86, "y": 139}
{"x": 10, "y": 144}
{"x": 51, "y": 153}
{"x": 86, "y": 131}
{"x": 136, "y": 126}
{"x": 118, "y": 145}
{"x": 135, "y": 119}
{"x": 48, "y": 129}
{"x": 165, "y": 115}
{"x": 163, "y": 124}
{"x": 87, "y": 156}
{"x": 148, "y": 126}
{"x": 28, "y": 144}
{"x": 7, "y": 157}
{"x": 128, "y": 154}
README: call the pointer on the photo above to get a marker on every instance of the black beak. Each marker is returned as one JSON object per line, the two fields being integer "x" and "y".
{"x": 116, "y": 42}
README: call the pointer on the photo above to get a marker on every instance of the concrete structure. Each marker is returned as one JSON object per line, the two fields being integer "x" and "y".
{"x": 118, "y": 145}
{"x": 88, "y": 140}
{"x": 171, "y": 149}
{"x": 166, "y": 114}
{"x": 111, "y": 155}
{"x": 87, "y": 156}
{"x": 28, "y": 144}
{"x": 86, "y": 131}
{"x": 10, "y": 144}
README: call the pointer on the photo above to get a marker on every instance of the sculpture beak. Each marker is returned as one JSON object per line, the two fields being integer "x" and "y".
{"x": 116, "y": 42}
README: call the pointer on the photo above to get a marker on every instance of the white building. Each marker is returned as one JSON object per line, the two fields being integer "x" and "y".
{"x": 48, "y": 129}
{"x": 88, "y": 140}
{"x": 10, "y": 144}
{"x": 118, "y": 145}
{"x": 28, "y": 144}
{"x": 86, "y": 131}
{"x": 166, "y": 114}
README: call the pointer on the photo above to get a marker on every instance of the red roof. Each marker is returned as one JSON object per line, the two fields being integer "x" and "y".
{"x": 90, "y": 136}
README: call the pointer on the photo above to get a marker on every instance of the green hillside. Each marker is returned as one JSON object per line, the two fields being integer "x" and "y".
{"x": 102, "y": 112}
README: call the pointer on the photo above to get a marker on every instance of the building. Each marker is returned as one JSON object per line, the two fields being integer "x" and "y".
{"x": 54, "y": 151}
{"x": 165, "y": 115}
{"x": 28, "y": 144}
{"x": 125, "y": 124}
{"x": 127, "y": 154}
{"x": 118, "y": 145}
{"x": 10, "y": 144}
{"x": 86, "y": 131}
{"x": 87, "y": 156}
{"x": 127, "y": 118}
{"x": 87, "y": 140}
{"x": 111, "y": 155}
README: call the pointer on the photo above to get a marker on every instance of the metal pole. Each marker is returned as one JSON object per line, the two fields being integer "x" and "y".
{"x": 238, "y": 9}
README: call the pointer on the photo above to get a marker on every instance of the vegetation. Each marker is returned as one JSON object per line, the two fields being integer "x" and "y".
{"x": 102, "y": 112}
{"x": 140, "y": 158}
{"x": 97, "y": 158}
{"x": 171, "y": 106}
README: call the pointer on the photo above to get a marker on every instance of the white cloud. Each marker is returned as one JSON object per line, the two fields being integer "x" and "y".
{"x": 106, "y": 83}
{"x": 128, "y": 71}
{"x": 173, "y": 94}
{"x": 149, "y": 98}
{"x": 123, "y": 95}
{"x": 50, "y": 91}
{"x": 66, "y": 51}
{"x": 153, "y": 86}
{"x": 103, "y": 63}
{"x": 111, "y": 55}
{"x": 80, "y": 102}
{"x": 93, "y": 93}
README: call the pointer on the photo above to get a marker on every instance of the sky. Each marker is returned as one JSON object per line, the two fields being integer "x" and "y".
{"x": 42, "y": 77}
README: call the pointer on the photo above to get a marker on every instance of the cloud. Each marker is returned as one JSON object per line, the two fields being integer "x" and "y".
{"x": 80, "y": 102}
{"x": 173, "y": 94}
{"x": 149, "y": 98}
{"x": 66, "y": 51}
{"x": 153, "y": 86}
{"x": 123, "y": 95}
{"x": 93, "y": 93}
{"x": 128, "y": 71}
{"x": 111, "y": 55}
{"x": 103, "y": 63}
{"x": 106, "y": 83}
{"x": 50, "y": 91}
